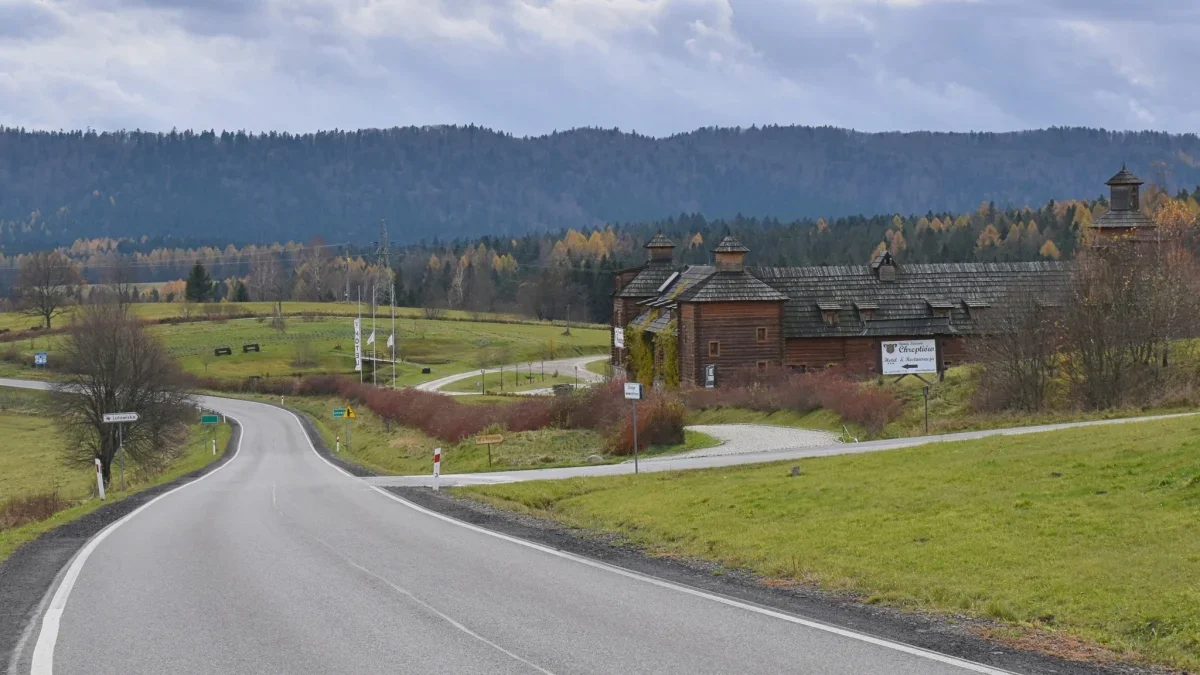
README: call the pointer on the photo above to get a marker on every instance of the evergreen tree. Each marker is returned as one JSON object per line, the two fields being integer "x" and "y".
{"x": 240, "y": 294}
{"x": 199, "y": 285}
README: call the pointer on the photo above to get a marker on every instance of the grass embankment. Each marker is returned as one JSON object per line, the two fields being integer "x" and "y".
{"x": 1087, "y": 533}
{"x": 326, "y": 345}
{"x": 404, "y": 450}
{"x": 31, "y": 464}
{"x": 512, "y": 381}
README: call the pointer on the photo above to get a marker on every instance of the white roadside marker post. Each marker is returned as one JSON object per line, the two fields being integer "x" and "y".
{"x": 437, "y": 467}
{"x": 338, "y": 440}
{"x": 99, "y": 479}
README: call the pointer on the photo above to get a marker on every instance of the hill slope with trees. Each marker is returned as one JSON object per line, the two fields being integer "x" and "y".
{"x": 465, "y": 182}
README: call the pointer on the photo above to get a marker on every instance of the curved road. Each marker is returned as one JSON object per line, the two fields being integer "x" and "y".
{"x": 564, "y": 366}
{"x": 278, "y": 562}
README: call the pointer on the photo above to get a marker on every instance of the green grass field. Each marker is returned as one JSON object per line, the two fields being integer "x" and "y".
{"x": 1089, "y": 533}
{"x": 31, "y": 463}
{"x": 408, "y": 451}
{"x": 513, "y": 382}
{"x": 326, "y": 345}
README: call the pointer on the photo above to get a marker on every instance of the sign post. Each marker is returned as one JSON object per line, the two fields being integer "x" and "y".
{"x": 118, "y": 419}
{"x": 633, "y": 393}
{"x": 211, "y": 421}
{"x": 39, "y": 360}
{"x": 489, "y": 440}
{"x": 437, "y": 467}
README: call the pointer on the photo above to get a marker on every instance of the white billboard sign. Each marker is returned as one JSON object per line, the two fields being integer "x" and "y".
{"x": 618, "y": 337}
{"x": 909, "y": 357}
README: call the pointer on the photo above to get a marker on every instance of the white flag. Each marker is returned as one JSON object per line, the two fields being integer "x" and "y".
{"x": 371, "y": 338}
{"x": 392, "y": 340}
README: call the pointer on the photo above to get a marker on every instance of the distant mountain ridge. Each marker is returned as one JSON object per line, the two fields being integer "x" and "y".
{"x": 466, "y": 181}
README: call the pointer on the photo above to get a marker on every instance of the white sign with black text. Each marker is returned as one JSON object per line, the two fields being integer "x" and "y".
{"x": 358, "y": 345}
{"x": 618, "y": 337}
{"x": 909, "y": 357}
{"x": 633, "y": 391}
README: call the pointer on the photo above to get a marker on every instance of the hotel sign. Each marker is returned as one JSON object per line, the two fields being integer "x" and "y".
{"x": 909, "y": 357}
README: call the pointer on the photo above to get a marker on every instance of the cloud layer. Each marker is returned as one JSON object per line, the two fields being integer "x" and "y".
{"x": 655, "y": 66}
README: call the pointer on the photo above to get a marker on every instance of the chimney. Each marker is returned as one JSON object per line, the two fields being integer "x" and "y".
{"x": 661, "y": 249}
{"x": 730, "y": 255}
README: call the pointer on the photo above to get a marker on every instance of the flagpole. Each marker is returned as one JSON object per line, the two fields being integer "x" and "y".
{"x": 360, "y": 370}
{"x": 374, "y": 358}
{"x": 393, "y": 338}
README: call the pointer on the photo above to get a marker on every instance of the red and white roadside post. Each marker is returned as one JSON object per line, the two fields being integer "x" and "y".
{"x": 437, "y": 467}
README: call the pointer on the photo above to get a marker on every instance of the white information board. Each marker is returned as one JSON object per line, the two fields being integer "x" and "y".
{"x": 909, "y": 357}
{"x": 618, "y": 337}
{"x": 633, "y": 391}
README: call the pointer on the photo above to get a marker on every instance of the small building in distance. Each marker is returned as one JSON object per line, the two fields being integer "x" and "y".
{"x": 731, "y": 318}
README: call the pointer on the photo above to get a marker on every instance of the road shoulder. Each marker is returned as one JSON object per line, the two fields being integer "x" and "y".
{"x": 32, "y": 571}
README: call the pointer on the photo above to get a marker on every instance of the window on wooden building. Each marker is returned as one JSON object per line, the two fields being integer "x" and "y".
{"x": 714, "y": 348}
{"x": 762, "y": 367}
{"x": 760, "y": 334}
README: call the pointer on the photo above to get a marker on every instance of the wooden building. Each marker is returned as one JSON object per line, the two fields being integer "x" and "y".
{"x": 727, "y": 317}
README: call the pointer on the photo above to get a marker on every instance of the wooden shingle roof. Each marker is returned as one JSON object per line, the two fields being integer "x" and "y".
{"x": 660, "y": 241}
{"x": 649, "y": 280}
{"x": 954, "y": 286}
{"x": 730, "y": 244}
{"x": 1123, "y": 219}
{"x": 730, "y": 287}
{"x": 1123, "y": 177}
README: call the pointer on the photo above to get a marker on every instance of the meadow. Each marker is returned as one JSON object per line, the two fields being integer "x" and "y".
{"x": 1088, "y": 534}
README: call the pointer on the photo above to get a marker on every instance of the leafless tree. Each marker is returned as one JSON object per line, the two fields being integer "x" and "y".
{"x": 1017, "y": 352}
{"x": 113, "y": 365}
{"x": 314, "y": 271}
{"x": 49, "y": 283}
{"x": 120, "y": 277}
{"x": 1130, "y": 305}
{"x": 268, "y": 281}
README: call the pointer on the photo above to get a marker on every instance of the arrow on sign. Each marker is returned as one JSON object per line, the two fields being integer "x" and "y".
{"x": 910, "y": 365}
{"x": 116, "y": 418}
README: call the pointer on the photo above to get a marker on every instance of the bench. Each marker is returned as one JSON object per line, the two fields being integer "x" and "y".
{"x": 252, "y": 347}
{"x": 223, "y": 351}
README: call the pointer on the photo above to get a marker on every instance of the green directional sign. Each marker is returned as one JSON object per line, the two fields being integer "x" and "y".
{"x": 339, "y": 413}
{"x": 210, "y": 419}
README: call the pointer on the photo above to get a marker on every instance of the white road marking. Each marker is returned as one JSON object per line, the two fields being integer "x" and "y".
{"x": 408, "y": 594}
{"x": 43, "y": 650}
{"x": 807, "y": 623}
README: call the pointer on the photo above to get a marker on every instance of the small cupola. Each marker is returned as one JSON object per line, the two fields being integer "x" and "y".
{"x": 730, "y": 255}
{"x": 661, "y": 248}
{"x": 1125, "y": 188}
{"x": 884, "y": 267}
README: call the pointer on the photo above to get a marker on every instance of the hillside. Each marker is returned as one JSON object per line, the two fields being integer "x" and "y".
{"x": 461, "y": 182}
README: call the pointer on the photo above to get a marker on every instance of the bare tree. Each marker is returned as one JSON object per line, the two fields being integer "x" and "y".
{"x": 1017, "y": 350}
{"x": 314, "y": 271}
{"x": 113, "y": 365}
{"x": 49, "y": 283}
{"x": 268, "y": 282}
{"x": 1131, "y": 304}
{"x": 121, "y": 279}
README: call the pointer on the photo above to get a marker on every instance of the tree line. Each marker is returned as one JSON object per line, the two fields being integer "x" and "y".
{"x": 464, "y": 182}
{"x": 544, "y": 275}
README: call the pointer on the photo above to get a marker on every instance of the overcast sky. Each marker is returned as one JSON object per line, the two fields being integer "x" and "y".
{"x": 654, "y": 66}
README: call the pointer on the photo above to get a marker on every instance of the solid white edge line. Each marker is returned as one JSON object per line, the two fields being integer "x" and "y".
{"x": 731, "y": 602}
{"x": 43, "y": 650}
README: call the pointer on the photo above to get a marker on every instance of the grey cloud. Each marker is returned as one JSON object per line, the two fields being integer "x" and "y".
{"x": 27, "y": 21}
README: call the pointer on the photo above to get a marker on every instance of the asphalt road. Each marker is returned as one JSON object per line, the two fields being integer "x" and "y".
{"x": 278, "y": 562}
{"x": 569, "y": 366}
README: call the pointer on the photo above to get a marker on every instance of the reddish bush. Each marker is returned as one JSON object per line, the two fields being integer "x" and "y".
{"x": 20, "y": 511}
{"x": 660, "y": 422}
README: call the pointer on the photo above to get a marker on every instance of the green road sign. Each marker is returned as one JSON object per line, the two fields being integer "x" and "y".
{"x": 339, "y": 413}
{"x": 210, "y": 419}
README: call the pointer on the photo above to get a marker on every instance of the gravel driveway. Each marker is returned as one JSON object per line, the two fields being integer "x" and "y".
{"x": 741, "y": 439}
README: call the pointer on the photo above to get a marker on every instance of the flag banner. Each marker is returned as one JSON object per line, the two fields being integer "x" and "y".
{"x": 358, "y": 344}
{"x": 371, "y": 338}
{"x": 392, "y": 340}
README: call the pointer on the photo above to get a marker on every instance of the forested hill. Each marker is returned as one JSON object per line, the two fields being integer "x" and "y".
{"x": 461, "y": 182}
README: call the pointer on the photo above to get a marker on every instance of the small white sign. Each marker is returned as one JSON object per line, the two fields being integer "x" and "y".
{"x": 618, "y": 337}
{"x": 633, "y": 391}
{"x": 358, "y": 360}
{"x": 39, "y": 359}
{"x": 909, "y": 357}
{"x": 114, "y": 418}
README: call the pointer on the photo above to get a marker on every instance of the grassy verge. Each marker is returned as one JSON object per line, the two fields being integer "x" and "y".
{"x": 823, "y": 420}
{"x": 31, "y": 464}
{"x": 403, "y": 450}
{"x": 600, "y": 368}
{"x": 1087, "y": 533}
{"x": 512, "y": 382}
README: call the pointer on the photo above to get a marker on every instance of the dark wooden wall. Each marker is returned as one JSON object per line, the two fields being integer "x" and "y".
{"x": 859, "y": 354}
{"x": 734, "y": 325}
